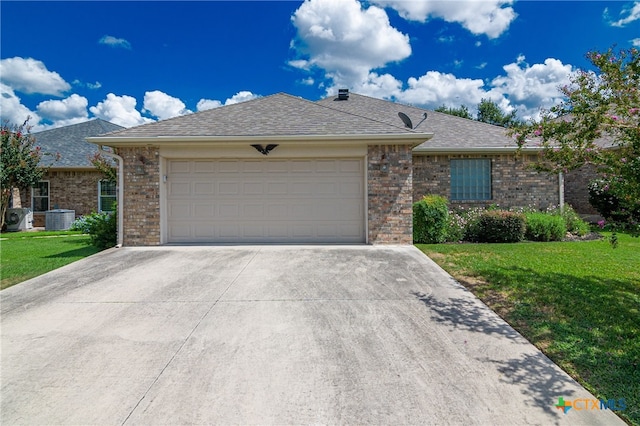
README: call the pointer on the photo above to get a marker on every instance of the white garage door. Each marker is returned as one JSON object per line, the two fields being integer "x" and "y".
{"x": 253, "y": 201}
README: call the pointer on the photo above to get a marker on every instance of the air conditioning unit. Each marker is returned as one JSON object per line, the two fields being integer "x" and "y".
{"x": 19, "y": 219}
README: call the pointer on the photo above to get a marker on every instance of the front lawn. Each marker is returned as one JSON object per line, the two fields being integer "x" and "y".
{"x": 579, "y": 302}
{"x": 24, "y": 255}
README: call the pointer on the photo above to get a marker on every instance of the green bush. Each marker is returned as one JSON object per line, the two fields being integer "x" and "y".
{"x": 430, "y": 220}
{"x": 101, "y": 227}
{"x": 544, "y": 227}
{"x": 573, "y": 222}
{"x": 496, "y": 226}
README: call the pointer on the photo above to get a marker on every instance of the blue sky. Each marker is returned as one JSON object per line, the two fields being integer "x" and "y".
{"x": 136, "y": 62}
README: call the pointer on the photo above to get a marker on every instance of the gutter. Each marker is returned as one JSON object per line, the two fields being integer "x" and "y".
{"x": 120, "y": 193}
{"x": 475, "y": 150}
{"x": 371, "y": 139}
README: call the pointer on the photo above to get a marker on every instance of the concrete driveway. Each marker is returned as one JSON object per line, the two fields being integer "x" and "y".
{"x": 269, "y": 335}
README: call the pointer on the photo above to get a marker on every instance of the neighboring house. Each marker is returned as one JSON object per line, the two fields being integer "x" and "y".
{"x": 345, "y": 169}
{"x": 72, "y": 183}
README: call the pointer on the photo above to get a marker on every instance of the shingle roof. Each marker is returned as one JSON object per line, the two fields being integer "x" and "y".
{"x": 70, "y": 143}
{"x": 274, "y": 115}
{"x": 449, "y": 132}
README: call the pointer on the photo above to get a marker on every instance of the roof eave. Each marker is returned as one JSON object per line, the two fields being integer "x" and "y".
{"x": 475, "y": 150}
{"x": 413, "y": 139}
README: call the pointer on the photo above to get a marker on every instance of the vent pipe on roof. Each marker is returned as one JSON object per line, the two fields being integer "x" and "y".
{"x": 343, "y": 94}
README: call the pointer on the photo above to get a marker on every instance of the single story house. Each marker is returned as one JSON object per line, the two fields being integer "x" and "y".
{"x": 345, "y": 169}
{"x": 72, "y": 183}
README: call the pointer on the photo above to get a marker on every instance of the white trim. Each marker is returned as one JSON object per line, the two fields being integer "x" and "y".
{"x": 48, "y": 197}
{"x": 366, "y": 198}
{"x": 474, "y": 150}
{"x": 366, "y": 139}
{"x": 100, "y": 195}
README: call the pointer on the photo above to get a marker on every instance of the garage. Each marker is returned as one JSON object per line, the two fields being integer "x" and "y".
{"x": 293, "y": 200}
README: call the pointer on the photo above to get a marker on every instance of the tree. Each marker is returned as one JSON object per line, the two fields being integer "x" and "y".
{"x": 463, "y": 111}
{"x": 597, "y": 123}
{"x": 104, "y": 166}
{"x": 20, "y": 163}
{"x": 490, "y": 112}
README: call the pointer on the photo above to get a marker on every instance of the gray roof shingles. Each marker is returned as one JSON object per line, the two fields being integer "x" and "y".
{"x": 450, "y": 132}
{"x": 276, "y": 115}
{"x": 70, "y": 143}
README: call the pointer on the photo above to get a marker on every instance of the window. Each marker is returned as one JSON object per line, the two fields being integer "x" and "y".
{"x": 106, "y": 196}
{"x": 471, "y": 179}
{"x": 40, "y": 196}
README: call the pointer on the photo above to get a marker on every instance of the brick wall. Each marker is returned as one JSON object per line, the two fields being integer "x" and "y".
{"x": 514, "y": 184}
{"x": 576, "y": 190}
{"x": 141, "y": 196}
{"x": 390, "y": 213}
{"x": 70, "y": 190}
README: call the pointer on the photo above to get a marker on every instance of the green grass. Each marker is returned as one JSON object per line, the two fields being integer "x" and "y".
{"x": 579, "y": 302}
{"x": 24, "y": 255}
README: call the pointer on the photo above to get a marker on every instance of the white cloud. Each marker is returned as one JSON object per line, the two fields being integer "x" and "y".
{"x": 530, "y": 87}
{"x": 72, "y": 108}
{"x": 633, "y": 14}
{"x": 435, "y": 88}
{"x": 12, "y": 109}
{"x": 242, "y": 96}
{"x": 376, "y": 86}
{"x": 115, "y": 42}
{"x": 92, "y": 86}
{"x": 636, "y": 42}
{"x": 119, "y": 110}
{"x": 28, "y": 75}
{"x": 346, "y": 40}
{"x": 205, "y": 104}
{"x": 489, "y": 17}
{"x": 163, "y": 106}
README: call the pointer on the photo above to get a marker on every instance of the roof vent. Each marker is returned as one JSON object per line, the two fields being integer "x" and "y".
{"x": 343, "y": 94}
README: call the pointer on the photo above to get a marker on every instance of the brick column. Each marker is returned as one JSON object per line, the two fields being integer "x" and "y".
{"x": 390, "y": 195}
{"x": 141, "y": 195}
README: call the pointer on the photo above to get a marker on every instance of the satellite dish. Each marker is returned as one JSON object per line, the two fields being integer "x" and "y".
{"x": 405, "y": 119}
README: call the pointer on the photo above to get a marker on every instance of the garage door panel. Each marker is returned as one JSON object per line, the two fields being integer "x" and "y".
{"x": 228, "y": 188}
{"x": 265, "y": 200}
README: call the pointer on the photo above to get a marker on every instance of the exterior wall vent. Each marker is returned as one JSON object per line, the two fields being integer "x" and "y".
{"x": 343, "y": 94}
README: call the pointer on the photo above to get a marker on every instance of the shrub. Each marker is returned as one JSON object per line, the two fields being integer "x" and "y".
{"x": 573, "y": 222}
{"x": 610, "y": 206}
{"x": 456, "y": 227}
{"x": 430, "y": 220}
{"x": 544, "y": 227}
{"x": 101, "y": 227}
{"x": 497, "y": 226}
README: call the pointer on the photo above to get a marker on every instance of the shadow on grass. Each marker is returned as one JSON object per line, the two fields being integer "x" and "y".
{"x": 588, "y": 325}
{"x": 79, "y": 253}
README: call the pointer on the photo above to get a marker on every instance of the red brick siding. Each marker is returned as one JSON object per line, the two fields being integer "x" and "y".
{"x": 514, "y": 184}
{"x": 71, "y": 190}
{"x": 141, "y": 196}
{"x": 390, "y": 202}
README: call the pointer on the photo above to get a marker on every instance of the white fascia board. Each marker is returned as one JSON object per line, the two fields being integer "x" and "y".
{"x": 414, "y": 139}
{"x": 474, "y": 150}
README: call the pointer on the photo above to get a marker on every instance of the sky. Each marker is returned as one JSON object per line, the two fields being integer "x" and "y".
{"x": 132, "y": 63}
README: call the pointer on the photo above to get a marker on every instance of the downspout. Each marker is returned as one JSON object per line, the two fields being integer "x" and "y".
{"x": 561, "y": 191}
{"x": 120, "y": 193}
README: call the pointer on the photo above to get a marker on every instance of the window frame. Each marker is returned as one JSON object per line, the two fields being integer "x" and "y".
{"x": 471, "y": 179}
{"x": 102, "y": 197}
{"x": 47, "y": 197}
